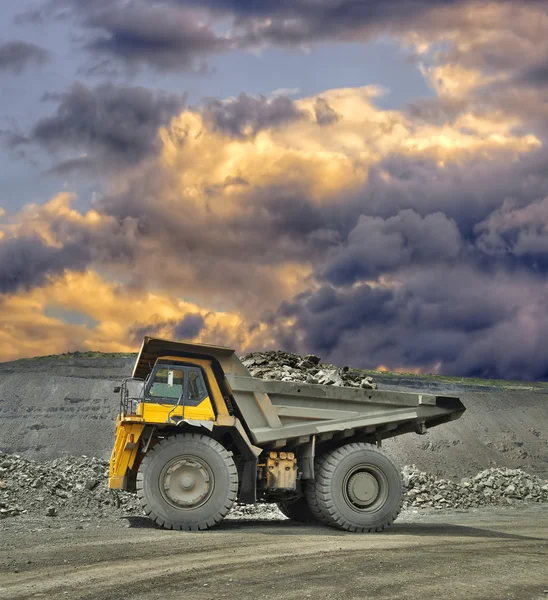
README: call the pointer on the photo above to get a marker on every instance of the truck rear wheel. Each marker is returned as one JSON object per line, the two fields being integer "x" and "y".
{"x": 187, "y": 481}
{"x": 297, "y": 510}
{"x": 358, "y": 488}
{"x": 310, "y": 490}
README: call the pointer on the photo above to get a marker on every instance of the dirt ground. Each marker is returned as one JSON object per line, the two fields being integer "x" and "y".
{"x": 484, "y": 554}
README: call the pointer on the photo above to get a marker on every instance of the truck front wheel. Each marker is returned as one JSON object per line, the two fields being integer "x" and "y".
{"x": 358, "y": 488}
{"x": 187, "y": 481}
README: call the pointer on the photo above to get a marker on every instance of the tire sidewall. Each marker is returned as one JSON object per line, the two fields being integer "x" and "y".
{"x": 187, "y": 447}
{"x": 385, "y": 513}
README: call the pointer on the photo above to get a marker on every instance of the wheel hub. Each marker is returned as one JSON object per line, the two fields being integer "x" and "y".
{"x": 362, "y": 489}
{"x": 186, "y": 483}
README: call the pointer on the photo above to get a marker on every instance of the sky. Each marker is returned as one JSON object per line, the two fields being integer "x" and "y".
{"x": 365, "y": 180}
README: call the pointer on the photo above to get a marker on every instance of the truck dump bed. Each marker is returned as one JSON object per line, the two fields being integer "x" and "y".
{"x": 278, "y": 411}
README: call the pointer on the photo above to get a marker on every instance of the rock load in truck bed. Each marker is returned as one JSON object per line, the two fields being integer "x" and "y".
{"x": 285, "y": 366}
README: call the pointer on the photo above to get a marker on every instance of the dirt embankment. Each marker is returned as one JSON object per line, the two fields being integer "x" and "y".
{"x": 58, "y": 406}
{"x": 501, "y": 427}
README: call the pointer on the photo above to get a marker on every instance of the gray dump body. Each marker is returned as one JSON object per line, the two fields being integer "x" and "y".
{"x": 277, "y": 412}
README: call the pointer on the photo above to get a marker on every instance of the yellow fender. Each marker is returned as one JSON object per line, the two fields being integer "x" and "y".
{"x": 124, "y": 453}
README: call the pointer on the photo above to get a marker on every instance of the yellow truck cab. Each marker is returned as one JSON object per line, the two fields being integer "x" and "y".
{"x": 177, "y": 390}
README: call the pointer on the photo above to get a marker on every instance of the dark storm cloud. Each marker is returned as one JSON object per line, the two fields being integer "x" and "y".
{"x": 136, "y": 34}
{"x": 187, "y": 247}
{"x": 366, "y": 235}
{"x": 288, "y": 8}
{"x": 189, "y": 327}
{"x": 518, "y": 231}
{"x": 26, "y": 262}
{"x": 321, "y": 16}
{"x": 16, "y": 56}
{"x": 467, "y": 191}
{"x": 112, "y": 125}
{"x": 180, "y": 35}
{"x": 296, "y": 23}
{"x": 537, "y": 75}
{"x": 246, "y": 115}
{"x": 154, "y": 35}
{"x": 456, "y": 284}
{"x": 221, "y": 251}
{"x": 376, "y": 246}
{"x": 456, "y": 321}
{"x": 324, "y": 114}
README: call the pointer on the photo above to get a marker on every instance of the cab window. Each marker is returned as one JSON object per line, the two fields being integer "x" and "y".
{"x": 167, "y": 384}
{"x": 196, "y": 388}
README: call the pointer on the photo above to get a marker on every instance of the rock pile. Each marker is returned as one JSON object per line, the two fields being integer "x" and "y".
{"x": 286, "y": 366}
{"x": 72, "y": 485}
{"x": 489, "y": 488}
{"x": 77, "y": 487}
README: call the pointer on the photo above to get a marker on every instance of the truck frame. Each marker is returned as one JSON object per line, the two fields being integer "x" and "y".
{"x": 200, "y": 433}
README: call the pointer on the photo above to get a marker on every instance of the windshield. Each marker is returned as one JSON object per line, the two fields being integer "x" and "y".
{"x": 167, "y": 383}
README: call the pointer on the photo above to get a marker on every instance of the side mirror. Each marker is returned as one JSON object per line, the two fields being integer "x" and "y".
{"x": 116, "y": 390}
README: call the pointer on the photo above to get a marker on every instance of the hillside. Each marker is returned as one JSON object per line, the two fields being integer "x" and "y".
{"x": 63, "y": 405}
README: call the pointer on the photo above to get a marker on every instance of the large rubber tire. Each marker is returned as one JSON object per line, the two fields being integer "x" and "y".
{"x": 213, "y": 474}
{"x": 297, "y": 510}
{"x": 358, "y": 488}
{"x": 310, "y": 489}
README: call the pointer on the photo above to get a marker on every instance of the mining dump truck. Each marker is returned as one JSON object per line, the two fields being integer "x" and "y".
{"x": 197, "y": 433}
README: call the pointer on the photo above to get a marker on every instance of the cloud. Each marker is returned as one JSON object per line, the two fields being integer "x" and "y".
{"x": 187, "y": 328}
{"x": 157, "y": 35}
{"x": 485, "y": 58}
{"x": 518, "y": 231}
{"x": 255, "y": 216}
{"x": 325, "y": 115}
{"x": 246, "y": 116}
{"x": 536, "y": 75}
{"x": 375, "y": 239}
{"x": 27, "y": 262}
{"x": 110, "y": 125}
{"x": 285, "y": 92}
{"x": 459, "y": 44}
{"x": 112, "y": 318}
{"x": 449, "y": 320}
{"x": 190, "y": 327}
{"x": 377, "y": 246}
{"x": 16, "y": 56}
{"x": 294, "y": 23}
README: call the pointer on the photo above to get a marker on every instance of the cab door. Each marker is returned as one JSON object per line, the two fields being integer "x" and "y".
{"x": 197, "y": 404}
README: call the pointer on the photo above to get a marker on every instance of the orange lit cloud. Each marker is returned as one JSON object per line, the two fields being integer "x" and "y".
{"x": 27, "y": 329}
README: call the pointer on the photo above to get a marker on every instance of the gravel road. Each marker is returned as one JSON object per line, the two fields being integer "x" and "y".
{"x": 484, "y": 554}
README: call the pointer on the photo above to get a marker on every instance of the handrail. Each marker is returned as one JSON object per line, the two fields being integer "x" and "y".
{"x": 129, "y": 404}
